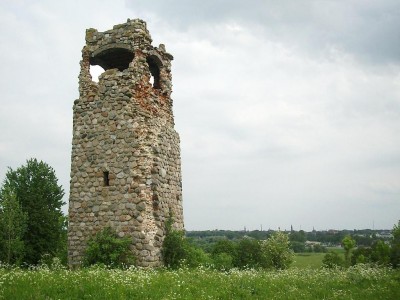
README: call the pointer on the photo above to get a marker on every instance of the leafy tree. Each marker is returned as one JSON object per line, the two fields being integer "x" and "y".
{"x": 380, "y": 253}
{"x": 223, "y": 254}
{"x": 298, "y": 236}
{"x": 40, "y": 197}
{"x": 332, "y": 260}
{"x": 107, "y": 248}
{"x": 297, "y": 247}
{"x": 348, "y": 245}
{"x": 276, "y": 252}
{"x": 248, "y": 253}
{"x": 12, "y": 228}
{"x": 395, "y": 246}
{"x": 224, "y": 246}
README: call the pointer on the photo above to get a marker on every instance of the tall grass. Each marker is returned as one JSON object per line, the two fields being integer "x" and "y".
{"x": 360, "y": 282}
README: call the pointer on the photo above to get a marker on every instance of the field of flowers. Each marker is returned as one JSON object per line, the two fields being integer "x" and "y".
{"x": 359, "y": 282}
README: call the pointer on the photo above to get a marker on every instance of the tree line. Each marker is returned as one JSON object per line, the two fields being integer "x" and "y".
{"x": 34, "y": 229}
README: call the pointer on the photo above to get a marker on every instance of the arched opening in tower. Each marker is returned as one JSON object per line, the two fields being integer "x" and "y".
{"x": 112, "y": 58}
{"x": 154, "y": 66}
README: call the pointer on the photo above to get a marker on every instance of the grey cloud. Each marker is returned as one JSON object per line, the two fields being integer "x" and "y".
{"x": 367, "y": 29}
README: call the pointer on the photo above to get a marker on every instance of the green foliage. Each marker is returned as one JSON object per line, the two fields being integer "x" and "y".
{"x": 332, "y": 260}
{"x": 361, "y": 255}
{"x": 298, "y": 236}
{"x": 174, "y": 247}
{"x": 276, "y": 252}
{"x": 348, "y": 245}
{"x": 223, "y": 254}
{"x": 12, "y": 228}
{"x": 195, "y": 257}
{"x": 380, "y": 253}
{"x": 40, "y": 198}
{"x": 223, "y": 261}
{"x": 224, "y": 246}
{"x": 319, "y": 248}
{"x": 248, "y": 254}
{"x": 297, "y": 247}
{"x": 177, "y": 251}
{"x": 395, "y": 246}
{"x": 106, "y": 248}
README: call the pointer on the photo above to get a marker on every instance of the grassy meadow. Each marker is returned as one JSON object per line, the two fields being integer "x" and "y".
{"x": 308, "y": 260}
{"x": 359, "y": 282}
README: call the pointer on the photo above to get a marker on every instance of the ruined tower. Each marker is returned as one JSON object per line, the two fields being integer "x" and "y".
{"x": 125, "y": 162}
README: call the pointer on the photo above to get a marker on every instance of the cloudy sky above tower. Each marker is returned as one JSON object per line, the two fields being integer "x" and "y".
{"x": 288, "y": 111}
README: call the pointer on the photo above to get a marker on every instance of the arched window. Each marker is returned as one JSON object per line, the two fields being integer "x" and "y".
{"x": 154, "y": 66}
{"x": 112, "y": 57}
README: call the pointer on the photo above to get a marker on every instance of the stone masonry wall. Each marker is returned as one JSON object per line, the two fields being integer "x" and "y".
{"x": 125, "y": 163}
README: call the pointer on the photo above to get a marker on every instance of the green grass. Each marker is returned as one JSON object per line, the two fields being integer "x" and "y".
{"x": 308, "y": 260}
{"x": 358, "y": 282}
{"x": 312, "y": 260}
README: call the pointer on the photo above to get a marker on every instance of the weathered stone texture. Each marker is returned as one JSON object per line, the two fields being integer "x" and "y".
{"x": 125, "y": 164}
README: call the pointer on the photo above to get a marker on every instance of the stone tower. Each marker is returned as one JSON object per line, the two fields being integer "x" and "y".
{"x": 125, "y": 162}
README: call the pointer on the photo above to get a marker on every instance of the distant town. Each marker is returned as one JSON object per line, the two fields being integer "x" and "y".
{"x": 301, "y": 241}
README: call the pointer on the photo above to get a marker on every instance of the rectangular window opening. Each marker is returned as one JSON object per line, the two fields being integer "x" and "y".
{"x": 106, "y": 178}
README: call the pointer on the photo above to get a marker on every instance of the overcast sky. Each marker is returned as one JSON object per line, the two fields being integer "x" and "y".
{"x": 288, "y": 111}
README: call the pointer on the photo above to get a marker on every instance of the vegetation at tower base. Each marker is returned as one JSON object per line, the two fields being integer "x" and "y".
{"x": 31, "y": 216}
{"x": 108, "y": 249}
{"x": 178, "y": 252}
{"x": 273, "y": 253}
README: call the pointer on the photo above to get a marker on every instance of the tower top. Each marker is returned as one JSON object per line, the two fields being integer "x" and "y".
{"x": 116, "y": 48}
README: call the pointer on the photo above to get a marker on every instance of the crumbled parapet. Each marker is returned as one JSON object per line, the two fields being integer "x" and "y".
{"x": 125, "y": 163}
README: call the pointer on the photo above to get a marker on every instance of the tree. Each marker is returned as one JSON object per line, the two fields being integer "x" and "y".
{"x": 395, "y": 246}
{"x": 224, "y": 246}
{"x": 276, "y": 252}
{"x": 380, "y": 253}
{"x": 12, "y": 229}
{"x": 40, "y": 197}
{"x": 348, "y": 245}
{"x": 248, "y": 253}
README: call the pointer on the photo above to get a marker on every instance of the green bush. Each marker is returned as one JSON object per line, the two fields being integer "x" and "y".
{"x": 297, "y": 247}
{"x": 195, "y": 257}
{"x": 177, "y": 251}
{"x": 173, "y": 250}
{"x": 248, "y": 253}
{"x": 332, "y": 260}
{"x": 106, "y": 248}
{"x": 223, "y": 261}
{"x": 276, "y": 252}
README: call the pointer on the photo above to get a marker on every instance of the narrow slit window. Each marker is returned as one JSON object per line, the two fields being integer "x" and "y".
{"x": 106, "y": 178}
